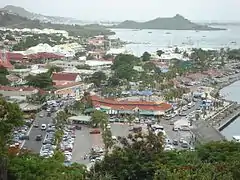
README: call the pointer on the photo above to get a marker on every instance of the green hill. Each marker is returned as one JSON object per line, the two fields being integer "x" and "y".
{"x": 177, "y": 22}
{"x": 11, "y": 20}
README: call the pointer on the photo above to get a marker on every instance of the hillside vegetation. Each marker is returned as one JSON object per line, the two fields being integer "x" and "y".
{"x": 10, "y": 20}
{"x": 177, "y": 22}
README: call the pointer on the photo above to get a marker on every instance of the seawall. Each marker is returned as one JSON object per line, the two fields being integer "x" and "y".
{"x": 229, "y": 119}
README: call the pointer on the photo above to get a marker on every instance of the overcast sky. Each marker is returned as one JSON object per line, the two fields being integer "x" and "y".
{"x": 118, "y": 10}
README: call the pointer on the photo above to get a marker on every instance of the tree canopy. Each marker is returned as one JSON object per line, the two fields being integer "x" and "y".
{"x": 99, "y": 118}
{"x": 142, "y": 157}
{"x": 3, "y": 74}
{"x": 160, "y": 52}
{"x": 123, "y": 66}
{"x": 42, "y": 80}
{"x": 146, "y": 56}
{"x": 98, "y": 77}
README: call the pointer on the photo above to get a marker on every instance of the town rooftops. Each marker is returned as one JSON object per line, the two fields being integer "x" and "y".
{"x": 64, "y": 76}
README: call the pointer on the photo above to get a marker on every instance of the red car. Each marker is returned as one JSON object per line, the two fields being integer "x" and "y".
{"x": 95, "y": 131}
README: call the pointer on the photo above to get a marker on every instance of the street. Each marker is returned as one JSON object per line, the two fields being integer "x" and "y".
{"x": 32, "y": 144}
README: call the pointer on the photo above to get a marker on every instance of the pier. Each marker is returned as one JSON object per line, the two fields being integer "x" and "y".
{"x": 205, "y": 133}
{"x": 209, "y": 129}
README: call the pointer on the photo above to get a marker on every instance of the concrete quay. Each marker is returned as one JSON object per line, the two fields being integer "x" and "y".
{"x": 209, "y": 129}
{"x": 233, "y": 114}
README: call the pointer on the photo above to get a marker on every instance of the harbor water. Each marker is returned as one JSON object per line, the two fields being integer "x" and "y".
{"x": 232, "y": 92}
{"x": 153, "y": 40}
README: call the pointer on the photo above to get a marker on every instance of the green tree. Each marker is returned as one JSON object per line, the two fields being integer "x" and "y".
{"x": 78, "y": 106}
{"x": 3, "y": 74}
{"x": 107, "y": 139}
{"x": 149, "y": 66}
{"x": 10, "y": 118}
{"x": 99, "y": 118}
{"x": 29, "y": 167}
{"x": 53, "y": 69}
{"x": 113, "y": 81}
{"x": 10, "y": 37}
{"x": 98, "y": 77}
{"x": 160, "y": 52}
{"x": 42, "y": 80}
{"x": 61, "y": 119}
{"x": 146, "y": 56}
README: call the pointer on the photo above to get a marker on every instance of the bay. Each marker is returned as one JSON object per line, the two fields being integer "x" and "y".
{"x": 152, "y": 40}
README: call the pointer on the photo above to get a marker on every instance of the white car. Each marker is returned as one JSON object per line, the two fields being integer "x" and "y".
{"x": 114, "y": 138}
{"x": 43, "y": 127}
{"x": 40, "y": 115}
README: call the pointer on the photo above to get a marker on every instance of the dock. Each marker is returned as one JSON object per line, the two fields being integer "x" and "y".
{"x": 210, "y": 129}
{"x": 229, "y": 119}
{"x": 205, "y": 133}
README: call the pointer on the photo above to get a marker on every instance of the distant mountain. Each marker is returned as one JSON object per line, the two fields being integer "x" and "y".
{"x": 11, "y": 20}
{"x": 43, "y": 18}
{"x": 177, "y": 22}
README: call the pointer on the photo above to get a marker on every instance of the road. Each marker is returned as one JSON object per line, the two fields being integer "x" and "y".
{"x": 32, "y": 144}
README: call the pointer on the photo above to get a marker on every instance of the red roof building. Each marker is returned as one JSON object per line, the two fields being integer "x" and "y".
{"x": 4, "y": 61}
{"x": 128, "y": 106}
{"x": 60, "y": 79}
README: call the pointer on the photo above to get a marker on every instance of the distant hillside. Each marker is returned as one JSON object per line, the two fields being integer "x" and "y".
{"x": 10, "y": 20}
{"x": 43, "y": 18}
{"x": 177, "y": 22}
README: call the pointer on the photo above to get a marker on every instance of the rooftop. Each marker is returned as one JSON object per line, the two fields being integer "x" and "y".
{"x": 64, "y": 76}
{"x": 129, "y": 105}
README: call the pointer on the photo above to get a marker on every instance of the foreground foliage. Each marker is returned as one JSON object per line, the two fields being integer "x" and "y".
{"x": 29, "y": 167}
{"x": 141, "y": 158}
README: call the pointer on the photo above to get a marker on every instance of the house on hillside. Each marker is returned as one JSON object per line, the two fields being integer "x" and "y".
{"x": 65, "y": 78}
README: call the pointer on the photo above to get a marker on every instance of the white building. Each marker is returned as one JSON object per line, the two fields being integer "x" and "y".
{"x": 98, "y": 65}
{"x": 66, "y": 64}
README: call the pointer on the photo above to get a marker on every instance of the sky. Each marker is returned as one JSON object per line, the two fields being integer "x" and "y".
{"x": 141, "y": 10}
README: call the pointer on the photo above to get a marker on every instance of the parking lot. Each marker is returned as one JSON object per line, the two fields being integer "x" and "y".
{"x": 83, "y": 143}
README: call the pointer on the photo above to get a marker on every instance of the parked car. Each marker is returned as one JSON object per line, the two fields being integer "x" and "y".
{"x": 38, "y": 138}
{"x": 95, "y": 131}
{"x": 78, "y": 127}
{"x": 175, "y": 142}
{"x": 43, "y": 127}
{"x": 36, "y": 125}
{"x": 24, "y": 137}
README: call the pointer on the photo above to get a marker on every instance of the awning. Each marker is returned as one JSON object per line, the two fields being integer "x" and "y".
{"x": 149, "y": 113}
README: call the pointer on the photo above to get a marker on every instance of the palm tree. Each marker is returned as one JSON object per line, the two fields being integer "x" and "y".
{"x": 130, "y": 119}
{"x": 107, "y": 139}
{"x": 61, "y": 119}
